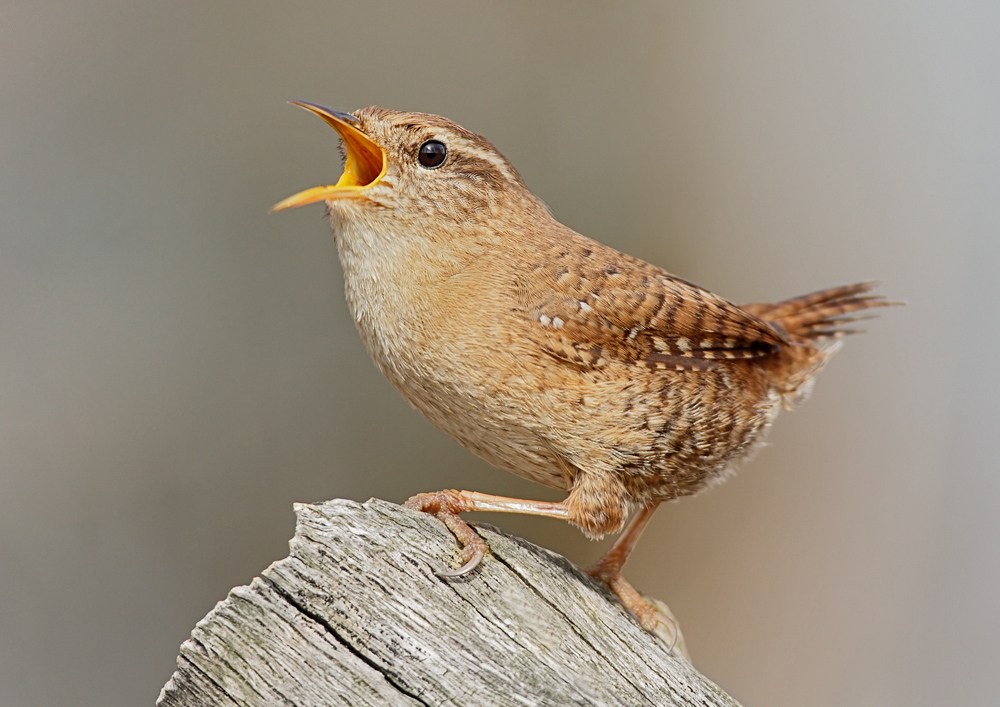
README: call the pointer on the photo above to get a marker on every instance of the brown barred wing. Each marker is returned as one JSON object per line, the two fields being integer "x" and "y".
{"x": 588, "y": 304}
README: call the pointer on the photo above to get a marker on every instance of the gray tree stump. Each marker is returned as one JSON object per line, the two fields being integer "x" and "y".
{"x": 355, "y": 615}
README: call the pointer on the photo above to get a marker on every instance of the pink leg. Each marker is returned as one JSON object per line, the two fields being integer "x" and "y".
{"x": 446, "y": 505}
{"x": 609, "y": 570}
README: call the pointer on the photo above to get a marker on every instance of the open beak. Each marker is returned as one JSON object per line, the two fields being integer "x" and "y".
{"x": 364, "y": 168}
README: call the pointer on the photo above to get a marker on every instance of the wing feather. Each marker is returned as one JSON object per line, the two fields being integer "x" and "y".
{"x": 588, "y": 304}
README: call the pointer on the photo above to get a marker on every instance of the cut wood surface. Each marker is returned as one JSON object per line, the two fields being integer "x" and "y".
{"x": 356, "y": 615}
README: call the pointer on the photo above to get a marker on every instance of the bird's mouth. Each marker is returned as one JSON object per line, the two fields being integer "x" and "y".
{"x": 364, "y": 167}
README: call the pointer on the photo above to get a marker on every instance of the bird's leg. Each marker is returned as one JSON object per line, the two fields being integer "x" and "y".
{"x": 446, "y": 505}
{"x": 609, "y": 570}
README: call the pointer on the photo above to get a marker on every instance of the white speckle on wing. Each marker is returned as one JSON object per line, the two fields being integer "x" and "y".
{"x": 556, "y": 323}
{"x": 544, "y": 320}
{"x": 683, "y": 344}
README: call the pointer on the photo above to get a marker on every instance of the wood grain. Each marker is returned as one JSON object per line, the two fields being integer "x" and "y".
{"x": 356, "y": 615}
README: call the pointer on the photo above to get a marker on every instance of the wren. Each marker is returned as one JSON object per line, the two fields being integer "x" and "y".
{"x": 549, "y": 354}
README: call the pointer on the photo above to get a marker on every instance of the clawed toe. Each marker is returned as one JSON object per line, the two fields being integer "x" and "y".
{"x": 645, "y": 612}
{"x": 475, "y": 553}
{"x": 652, "y": 619}
{"x": 445, "y": 506}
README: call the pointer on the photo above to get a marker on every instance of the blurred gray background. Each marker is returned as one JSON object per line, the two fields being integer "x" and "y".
{"x": 177, "y": 367}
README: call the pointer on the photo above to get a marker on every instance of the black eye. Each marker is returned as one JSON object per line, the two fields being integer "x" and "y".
{"x": 432, "y": 154}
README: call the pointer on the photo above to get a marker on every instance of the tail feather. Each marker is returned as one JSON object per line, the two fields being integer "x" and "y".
{"x": 822, "y": 314}
{"x": 814, "y": 324}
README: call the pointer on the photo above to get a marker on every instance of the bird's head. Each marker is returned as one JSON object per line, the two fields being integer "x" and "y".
{"x": 414, "y": 166}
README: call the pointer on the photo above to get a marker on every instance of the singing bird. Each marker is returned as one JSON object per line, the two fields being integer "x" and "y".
{"x": 549, "y": 354}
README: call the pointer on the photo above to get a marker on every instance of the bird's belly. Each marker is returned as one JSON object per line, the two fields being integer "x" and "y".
{"x": 499, "y": 439}
{"x": 666, "y": 436}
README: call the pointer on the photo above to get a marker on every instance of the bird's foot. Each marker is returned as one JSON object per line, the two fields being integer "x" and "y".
{"x": 445, "y": 506}
{"x": 608, "y": 570}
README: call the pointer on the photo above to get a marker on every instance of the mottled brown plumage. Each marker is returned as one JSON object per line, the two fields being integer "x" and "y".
{"x": 544, "y": 352}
